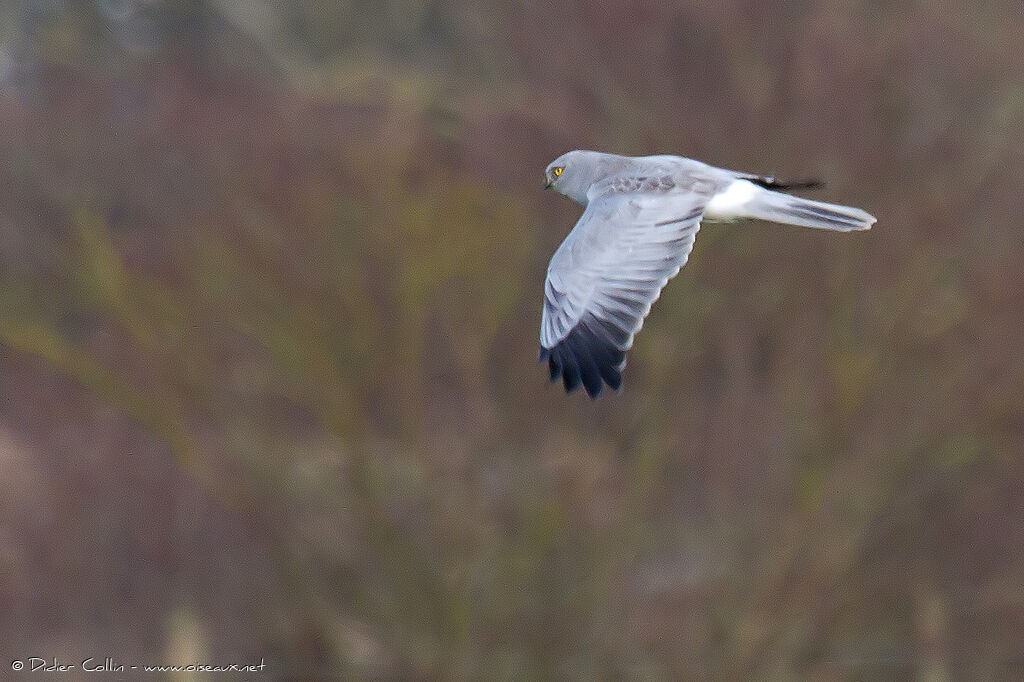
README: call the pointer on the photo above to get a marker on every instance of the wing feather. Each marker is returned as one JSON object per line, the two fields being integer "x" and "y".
{"x": 605, "y": 276}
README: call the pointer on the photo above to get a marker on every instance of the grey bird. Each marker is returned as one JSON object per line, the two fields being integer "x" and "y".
{"x": 642, "y": 214}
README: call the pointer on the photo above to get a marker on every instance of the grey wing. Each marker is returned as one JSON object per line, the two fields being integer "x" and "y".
{"x": 604, "y": 277}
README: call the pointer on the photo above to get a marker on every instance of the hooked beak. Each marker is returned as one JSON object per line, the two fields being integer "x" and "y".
{"x": 547, "y": 182}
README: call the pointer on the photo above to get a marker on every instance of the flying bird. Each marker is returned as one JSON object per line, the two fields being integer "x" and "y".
{"x": 637, "y": 229}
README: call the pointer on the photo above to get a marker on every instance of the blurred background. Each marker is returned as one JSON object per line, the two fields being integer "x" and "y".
{"x": 270, "y": 285}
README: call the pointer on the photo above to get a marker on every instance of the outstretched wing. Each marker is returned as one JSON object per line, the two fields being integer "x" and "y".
{"x": 604, "y": 277}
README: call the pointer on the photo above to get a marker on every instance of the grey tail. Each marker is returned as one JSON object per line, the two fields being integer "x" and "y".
{"x": 786, "y": 208}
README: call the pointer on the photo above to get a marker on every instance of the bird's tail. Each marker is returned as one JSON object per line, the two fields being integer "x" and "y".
{"x": 786, "y": 208}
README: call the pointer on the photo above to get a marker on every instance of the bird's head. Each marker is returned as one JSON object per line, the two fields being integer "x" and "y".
{"x": 574, "y": 172}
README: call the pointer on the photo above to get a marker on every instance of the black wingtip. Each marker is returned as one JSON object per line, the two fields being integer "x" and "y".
{"x": 585, "y": 357}
{"x": 771, "y": 183}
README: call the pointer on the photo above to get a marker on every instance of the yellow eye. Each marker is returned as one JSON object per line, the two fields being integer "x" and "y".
{"x": 557, "y": 170}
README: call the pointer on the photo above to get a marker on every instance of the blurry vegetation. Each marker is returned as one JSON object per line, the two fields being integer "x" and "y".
{"x": 270, "y": 285}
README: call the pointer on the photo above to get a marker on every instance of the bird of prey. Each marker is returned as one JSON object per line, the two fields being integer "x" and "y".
{"x": 637, "y": 229}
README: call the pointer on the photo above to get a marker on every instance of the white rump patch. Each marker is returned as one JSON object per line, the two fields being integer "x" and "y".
{"x": 730, "y": 202}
